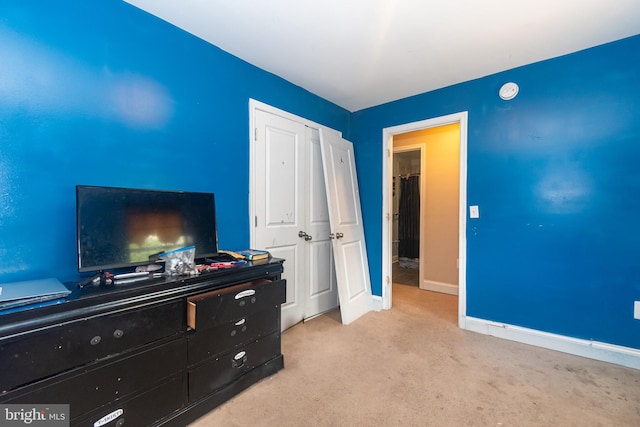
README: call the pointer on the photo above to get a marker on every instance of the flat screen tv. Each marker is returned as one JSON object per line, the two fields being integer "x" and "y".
{"x": 124, "y": 227}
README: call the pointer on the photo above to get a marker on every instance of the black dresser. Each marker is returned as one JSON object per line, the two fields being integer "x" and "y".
{"x": 158, "y": 352}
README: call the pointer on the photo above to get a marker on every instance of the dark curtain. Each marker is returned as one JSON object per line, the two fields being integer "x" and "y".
{"x": 409, "y": 218}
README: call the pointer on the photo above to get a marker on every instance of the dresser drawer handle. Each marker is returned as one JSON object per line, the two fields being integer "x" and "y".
{"x": 96, "y": 340}
{"x": 240, "y": 322}
{"x": 246, "y": 293}
{"x": 239, "y": 359}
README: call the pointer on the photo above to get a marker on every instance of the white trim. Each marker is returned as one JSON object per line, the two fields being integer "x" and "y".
{"x": 442, "y": 287}
{"x": 387, "y": 172}
{"x": 604, "y": 352}
{"x": 376, "y": 303}
{"x": 257, "y": 105}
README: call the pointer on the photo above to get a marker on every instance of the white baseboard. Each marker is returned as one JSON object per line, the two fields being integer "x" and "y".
{"x": 376, "y": 303}
{"x": 619, "y": 355}
{"x": 444, "y": 288}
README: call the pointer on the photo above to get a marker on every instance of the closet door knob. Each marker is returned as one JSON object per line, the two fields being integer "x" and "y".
{"x": 305, "y": 235}
{"x": 339, "y": 235}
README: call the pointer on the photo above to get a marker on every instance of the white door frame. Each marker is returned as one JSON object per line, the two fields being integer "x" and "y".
{"x": 387, "y": 174}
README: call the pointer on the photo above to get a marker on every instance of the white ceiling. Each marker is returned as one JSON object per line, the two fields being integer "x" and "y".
{"x": 361, "y": 53}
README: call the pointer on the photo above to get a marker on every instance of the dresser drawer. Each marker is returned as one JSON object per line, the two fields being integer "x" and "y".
{"x": 144, "y": 409}
{"x": 39, "y": 354}
{"x": 220, "y": 371}
{"x": 205, "y": 343}
{"x": 233, "y": 303}
{"x": 86, "y": 389}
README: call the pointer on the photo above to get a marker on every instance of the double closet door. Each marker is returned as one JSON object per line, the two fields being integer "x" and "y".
{"x": 291, "y": 215}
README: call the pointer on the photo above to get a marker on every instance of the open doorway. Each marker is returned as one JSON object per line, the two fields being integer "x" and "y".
{"x": 459, "y": 215}
{"x": 428, "y": 163}
{"x": 406, "y": 226}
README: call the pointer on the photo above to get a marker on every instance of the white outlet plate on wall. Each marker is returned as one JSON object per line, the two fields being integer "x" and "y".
{"x": 636, "y": 310}
{"x": 474, "y": 212}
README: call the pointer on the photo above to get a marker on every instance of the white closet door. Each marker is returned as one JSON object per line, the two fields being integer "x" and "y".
{"x": 291, "y": 213}
{"x": 279, "y": 194}
{"x": 322, "y": 292}
{"x": 345, "y": 214}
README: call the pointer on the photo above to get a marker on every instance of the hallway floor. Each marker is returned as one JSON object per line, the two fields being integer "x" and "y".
{"x": 405, "y": 276}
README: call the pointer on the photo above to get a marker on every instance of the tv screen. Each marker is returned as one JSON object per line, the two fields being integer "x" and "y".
{"x": 123, "y": 227}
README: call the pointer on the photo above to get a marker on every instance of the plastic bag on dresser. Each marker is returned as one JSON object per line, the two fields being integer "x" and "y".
{"x": 180, "y": 262}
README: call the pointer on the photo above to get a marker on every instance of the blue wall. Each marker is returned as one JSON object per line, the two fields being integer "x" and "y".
{"x": 555, "y": 173}
{"x": 101, "y": 93}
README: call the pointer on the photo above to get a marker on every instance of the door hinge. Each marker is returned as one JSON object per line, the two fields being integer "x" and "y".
{"x": 255, "y": 134}
{"x": 255, "y": 221}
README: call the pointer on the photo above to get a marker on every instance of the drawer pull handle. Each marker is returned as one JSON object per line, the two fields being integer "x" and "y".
{"x": 118, "y": 333}
{"x": 246, "y": 293}
{"x": 239, "y": 360}
{"x": 95, "y": 340}
{"x": 240, "y": 322}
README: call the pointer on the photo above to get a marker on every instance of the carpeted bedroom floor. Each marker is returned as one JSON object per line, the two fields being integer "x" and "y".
{"x": 412, "y": 366}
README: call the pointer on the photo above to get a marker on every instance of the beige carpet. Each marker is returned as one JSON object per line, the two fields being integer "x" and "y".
{"x": 412, "y": 366}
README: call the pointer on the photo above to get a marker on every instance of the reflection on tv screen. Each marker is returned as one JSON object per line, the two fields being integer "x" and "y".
{"x": 152, "y": 232}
